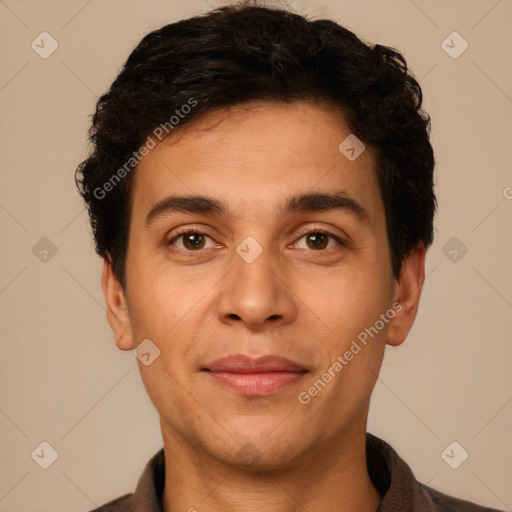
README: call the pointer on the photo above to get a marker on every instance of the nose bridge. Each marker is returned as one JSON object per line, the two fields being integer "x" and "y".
{"x": 254, "y": 291}
{"x": 253, "y": 265}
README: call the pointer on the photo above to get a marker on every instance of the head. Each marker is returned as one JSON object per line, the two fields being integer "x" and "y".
{"x": 232, "y": 125}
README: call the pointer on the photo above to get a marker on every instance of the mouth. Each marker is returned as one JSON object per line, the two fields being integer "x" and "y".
{"x": 255, "y": 377}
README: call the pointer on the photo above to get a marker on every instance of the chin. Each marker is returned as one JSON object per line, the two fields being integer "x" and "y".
{"x": 260, "y": 450}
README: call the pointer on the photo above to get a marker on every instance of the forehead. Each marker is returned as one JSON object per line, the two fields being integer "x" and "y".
{"x": 252, "y": 156}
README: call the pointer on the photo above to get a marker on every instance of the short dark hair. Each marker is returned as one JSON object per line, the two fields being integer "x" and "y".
{"x": 237, "y": 54}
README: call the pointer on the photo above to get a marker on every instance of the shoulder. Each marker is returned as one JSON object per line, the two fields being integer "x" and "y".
{"x": 445, "y": 503}
{"x": 121, "y": 504}
{"x": 399, "y": 488}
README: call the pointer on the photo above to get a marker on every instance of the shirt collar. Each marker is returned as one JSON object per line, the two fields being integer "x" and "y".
{"x": 389, "y": 473}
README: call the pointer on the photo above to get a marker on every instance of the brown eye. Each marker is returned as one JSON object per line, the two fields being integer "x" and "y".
{"x": 190, "y": 241}
{"x": 193, "y": 241}
{"x": 318, "y": 241}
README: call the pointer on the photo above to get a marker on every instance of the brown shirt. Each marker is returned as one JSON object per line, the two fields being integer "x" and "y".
{"x": 389, "y": 473}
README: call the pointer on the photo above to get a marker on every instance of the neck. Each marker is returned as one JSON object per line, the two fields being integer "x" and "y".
{"x": 333, "y": 478}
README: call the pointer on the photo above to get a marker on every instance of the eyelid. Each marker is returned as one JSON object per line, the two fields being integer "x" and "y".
{"x": 341, "y": 237}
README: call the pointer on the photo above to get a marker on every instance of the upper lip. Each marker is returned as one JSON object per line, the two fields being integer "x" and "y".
{"x": 245, "y": 364}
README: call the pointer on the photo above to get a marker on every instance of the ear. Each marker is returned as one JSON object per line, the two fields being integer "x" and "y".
{"x": 118, "y": 315}
{"x": 407, "y": 295}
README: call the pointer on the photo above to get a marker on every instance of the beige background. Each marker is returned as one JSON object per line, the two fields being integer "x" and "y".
{"x": 63, "y": 381}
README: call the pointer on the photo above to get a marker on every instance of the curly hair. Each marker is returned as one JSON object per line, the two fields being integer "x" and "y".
{"x": 241, "y": 53}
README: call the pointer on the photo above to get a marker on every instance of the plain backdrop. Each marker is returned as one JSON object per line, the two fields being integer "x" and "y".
{"x": 64, "y": 382}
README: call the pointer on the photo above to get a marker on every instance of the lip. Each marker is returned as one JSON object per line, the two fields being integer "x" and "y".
{"x": 245, "y": 364}
{"x": 262, "y": 376}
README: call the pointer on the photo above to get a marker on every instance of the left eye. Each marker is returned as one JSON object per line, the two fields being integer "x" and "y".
{"x": 318, "y": 240}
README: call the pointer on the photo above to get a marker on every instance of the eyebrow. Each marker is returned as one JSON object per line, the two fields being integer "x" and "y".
{"x": 298, "y": 203}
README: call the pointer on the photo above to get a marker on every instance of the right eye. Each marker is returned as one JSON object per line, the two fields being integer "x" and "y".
{"x": 191, "y": 240}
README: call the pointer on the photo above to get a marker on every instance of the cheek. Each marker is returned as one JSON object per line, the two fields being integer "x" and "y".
{"x": 347, "y": 300}
{"x": 169, "y": 392}
{"x": 172, "y": 313}
{"x": 156, "y": 301}
{"x": 351, "y": 309}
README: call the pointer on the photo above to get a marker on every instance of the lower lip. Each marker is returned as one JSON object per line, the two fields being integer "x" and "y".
{"x": 257, "y": 384}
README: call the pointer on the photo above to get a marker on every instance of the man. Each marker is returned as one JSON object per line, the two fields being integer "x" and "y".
{"x": 261, "y": 191}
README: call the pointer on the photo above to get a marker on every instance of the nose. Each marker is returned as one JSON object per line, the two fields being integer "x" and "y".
{"x": 256, "y": 294}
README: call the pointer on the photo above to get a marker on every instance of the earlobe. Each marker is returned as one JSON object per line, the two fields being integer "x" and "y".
{"x": 407, "y": 295}
{"x": 118, "y": 315}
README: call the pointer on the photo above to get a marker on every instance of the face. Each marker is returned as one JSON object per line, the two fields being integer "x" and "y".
{"x": 254, "y": 291}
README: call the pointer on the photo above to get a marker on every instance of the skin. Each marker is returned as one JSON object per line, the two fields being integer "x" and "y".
{"x": 226, "y": 451}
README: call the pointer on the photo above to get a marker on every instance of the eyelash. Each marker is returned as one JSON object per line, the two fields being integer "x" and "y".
{"x": 188, "y": 231}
